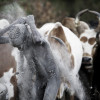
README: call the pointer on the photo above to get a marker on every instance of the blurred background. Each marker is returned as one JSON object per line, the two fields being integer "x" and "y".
{"x": 56, "y": 10}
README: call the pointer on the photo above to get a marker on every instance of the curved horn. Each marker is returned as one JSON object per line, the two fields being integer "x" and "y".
{"x": 58, "y": 39}
{"x": 78, "y": 16}
{"x": 61, "y": 42}
{"x": 19, "y": 21}
{"x": 98, "y": 15}
{"x": 95, "y": 12}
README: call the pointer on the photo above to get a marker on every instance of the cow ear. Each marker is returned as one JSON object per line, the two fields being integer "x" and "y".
{"x": 81, "y": 27}
{"x": 98, "y": 38}
{"x": 70, "y": 23}
{"x": 58, "y": 31}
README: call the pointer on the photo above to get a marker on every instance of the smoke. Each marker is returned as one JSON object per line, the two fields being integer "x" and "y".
{"x": 11, "y": 12}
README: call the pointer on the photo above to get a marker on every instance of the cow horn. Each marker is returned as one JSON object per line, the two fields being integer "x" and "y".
{"x": 98, "y": 15}
{"x": 58, "y": 39}
{"x": 78, "y": 16}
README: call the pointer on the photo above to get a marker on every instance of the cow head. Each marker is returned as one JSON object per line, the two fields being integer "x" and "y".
{"x": 86, "y": 34}
{"x": 87, "y": 37}
{"x": 17, "y": 35}
{"x": 88, "y": 41}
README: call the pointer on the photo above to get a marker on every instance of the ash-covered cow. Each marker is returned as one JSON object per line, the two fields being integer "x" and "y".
{"x": 8, "y": 54}
{"x": 88, "y": 40}
{"x": 16, "y": 76}
{"x": 67, "y": 51}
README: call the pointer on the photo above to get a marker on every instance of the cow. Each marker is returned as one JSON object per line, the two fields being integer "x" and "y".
{"x": 96, "y": 60}
{"x": 87, "y": 36}
{"x": 7, "y": 66}
{"x": 88, "y": 39}
{"x": 95, "y": 93}
{"x": 13, "y": 64}
{"x": 9, "y": 55}
{"x": 58, "y": 30}
{"x": 66, "y": 54}
{"x": 49, "y": 75}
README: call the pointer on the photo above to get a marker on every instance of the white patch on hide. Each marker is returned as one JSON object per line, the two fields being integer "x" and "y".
{"x": 3, "y": 23}
{"x": 5, "y": 79}
{"x": 16, "y": 54}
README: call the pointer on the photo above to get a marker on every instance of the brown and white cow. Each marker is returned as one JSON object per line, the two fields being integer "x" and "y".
{"x": 7, "y": 66}
{"x": 69, "y": 62}
{"x": 88, "y": 40}
{"x": 86, "y": 35}
{"x": 14, "y": 70}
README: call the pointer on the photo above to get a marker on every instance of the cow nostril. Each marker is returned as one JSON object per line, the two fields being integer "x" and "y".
{"x": 89, "y": 59}
{"x": 86, "y": 59}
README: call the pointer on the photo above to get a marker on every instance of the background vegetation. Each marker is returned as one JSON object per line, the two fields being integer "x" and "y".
{"x": 55, "y": 10}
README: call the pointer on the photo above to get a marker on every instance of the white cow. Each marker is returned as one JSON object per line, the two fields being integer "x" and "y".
{"x": 86, "y": 34}
{"x": 68, "y": 56}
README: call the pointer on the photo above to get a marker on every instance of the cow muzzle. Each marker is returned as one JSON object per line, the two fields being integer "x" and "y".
{"x": 87, "y": 61}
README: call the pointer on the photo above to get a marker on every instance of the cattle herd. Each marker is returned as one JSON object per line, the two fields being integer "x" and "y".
{"x": 59, "y": 61}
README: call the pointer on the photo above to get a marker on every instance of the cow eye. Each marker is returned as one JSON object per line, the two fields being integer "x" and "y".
{"x": 84, "y": 39}
{"x": 92, "y": 41}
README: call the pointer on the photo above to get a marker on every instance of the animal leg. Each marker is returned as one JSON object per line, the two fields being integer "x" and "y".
{"x": 40, "y": 88}
{"x": 51, "y": 89}
{"x": 72, "y": 97}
